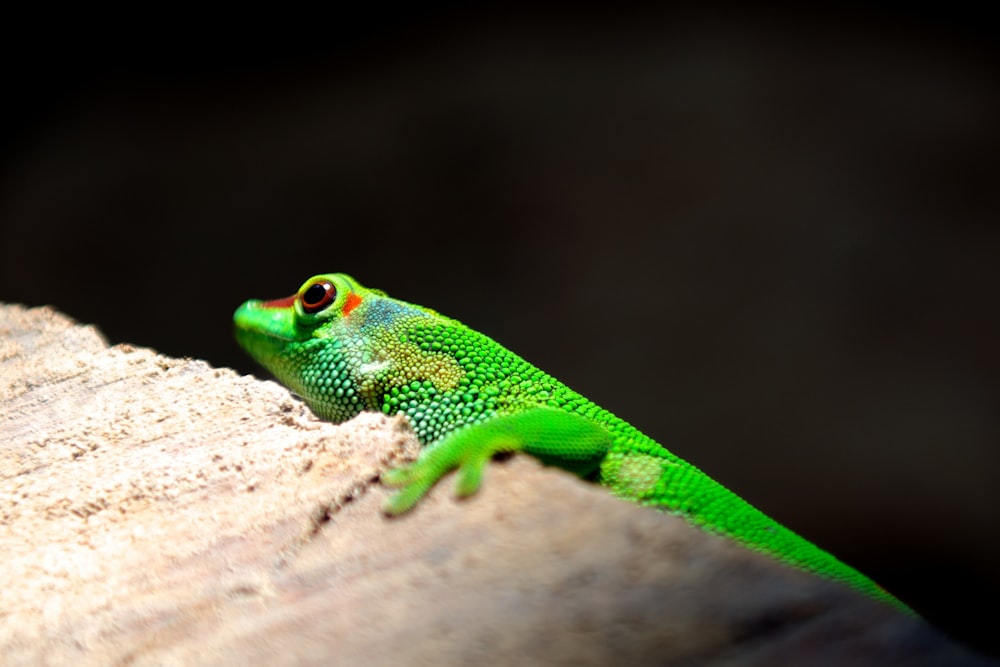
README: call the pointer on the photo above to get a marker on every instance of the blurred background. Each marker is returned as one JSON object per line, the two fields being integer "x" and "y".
{"x": 767, "y": 238}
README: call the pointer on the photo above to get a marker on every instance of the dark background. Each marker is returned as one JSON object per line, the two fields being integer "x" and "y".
{"x": 767, "y": 238}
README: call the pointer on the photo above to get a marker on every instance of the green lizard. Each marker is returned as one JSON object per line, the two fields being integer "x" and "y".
{"x": 345, "y": 348}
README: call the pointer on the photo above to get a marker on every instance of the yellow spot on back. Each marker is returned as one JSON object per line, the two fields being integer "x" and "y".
{"x": 410, "y": 363}
{"x": 636, "y": 474}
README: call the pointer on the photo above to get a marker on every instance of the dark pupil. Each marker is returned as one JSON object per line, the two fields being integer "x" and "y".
{"x": 314, "y": 295}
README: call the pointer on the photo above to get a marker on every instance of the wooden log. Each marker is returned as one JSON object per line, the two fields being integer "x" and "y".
{"x": 161, "y": 511}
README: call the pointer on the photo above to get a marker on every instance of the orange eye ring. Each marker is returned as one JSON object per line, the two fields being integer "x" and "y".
{"x": 318, "y": 296}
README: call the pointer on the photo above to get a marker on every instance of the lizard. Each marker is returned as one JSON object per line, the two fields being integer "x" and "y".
{"x": 345, "y": 348}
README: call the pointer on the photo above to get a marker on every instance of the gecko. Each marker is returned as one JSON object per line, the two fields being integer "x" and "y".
{"x": 345, "y": 348}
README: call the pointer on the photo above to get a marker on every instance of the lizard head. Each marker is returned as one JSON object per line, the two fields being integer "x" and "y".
{"x": 342, "y": 346}
{"x": 264, "y": 328}
{"x": 294, "y": 336}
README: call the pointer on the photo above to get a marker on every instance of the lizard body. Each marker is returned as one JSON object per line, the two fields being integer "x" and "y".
{"x": 345, "y": 348}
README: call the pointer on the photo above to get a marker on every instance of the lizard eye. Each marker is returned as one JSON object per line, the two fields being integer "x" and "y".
{"x": 318, "y": 296}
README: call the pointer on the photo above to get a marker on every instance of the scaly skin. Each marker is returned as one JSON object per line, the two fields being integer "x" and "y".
{"x": 345, "y": 348}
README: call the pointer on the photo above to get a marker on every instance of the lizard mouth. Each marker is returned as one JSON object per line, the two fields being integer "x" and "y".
{"x": 264, "y": 332}
{"x": 270, "y": 319}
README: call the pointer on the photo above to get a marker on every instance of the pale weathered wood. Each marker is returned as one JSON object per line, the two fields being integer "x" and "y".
{"x": 161, "y": 511}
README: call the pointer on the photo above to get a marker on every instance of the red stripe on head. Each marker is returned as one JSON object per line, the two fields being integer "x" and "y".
{"x": 352, "y": 302}
{"x": 287, "y": 302}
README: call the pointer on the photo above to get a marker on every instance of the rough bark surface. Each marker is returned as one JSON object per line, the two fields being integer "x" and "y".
{"x": 161, "y": 511}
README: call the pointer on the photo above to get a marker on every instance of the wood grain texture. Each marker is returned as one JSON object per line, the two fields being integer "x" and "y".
{"x": 161, "y": 511}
